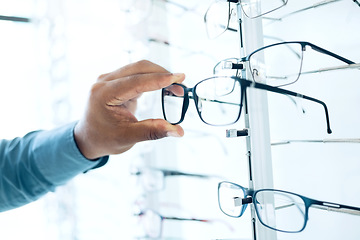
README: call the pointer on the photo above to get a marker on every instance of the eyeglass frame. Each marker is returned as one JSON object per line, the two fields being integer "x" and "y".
{"x": 250, "y": 195}
{"x": 240, "y": 65}
{"x": 229, "y": 12}
{"x": 244, "y": 84}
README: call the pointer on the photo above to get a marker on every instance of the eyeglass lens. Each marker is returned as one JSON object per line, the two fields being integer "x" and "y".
{"x": 277, "y": 65}
{"x": 217, "y": 100}
{"x": 280, "y": 210}
{"x": 228, "y": 194}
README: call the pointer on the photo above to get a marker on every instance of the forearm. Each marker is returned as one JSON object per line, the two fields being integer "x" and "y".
{"x": 37, "y": 163}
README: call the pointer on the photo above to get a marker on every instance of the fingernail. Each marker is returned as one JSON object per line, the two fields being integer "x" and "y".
{"x": 173, "y": 134}
{"x": 179, "y": 75}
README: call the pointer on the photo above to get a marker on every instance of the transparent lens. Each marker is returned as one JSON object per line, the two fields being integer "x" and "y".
{"x": 217, "y": 18}
{"x": 277, "y": 65}
{"x": 257, "y": 8}
{"x": 152, "y": 223}
{"x": 173, "y": 101}
{"x": 218, "y": 101}
{"x": 229, "y": 196}
{"x": 280, "y": 210}
{"x": 152, "y": 180}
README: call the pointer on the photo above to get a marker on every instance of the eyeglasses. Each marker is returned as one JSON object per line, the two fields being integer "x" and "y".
{"x": 315, "y": 5}
{"x": 279, "y": 64}
{"x": 153, "y": 179}
{"x": 276, "y": 209}
{"x": 218, "y": 15}
{"x": 153, "y": 222}
{"x": 218, "y": 100}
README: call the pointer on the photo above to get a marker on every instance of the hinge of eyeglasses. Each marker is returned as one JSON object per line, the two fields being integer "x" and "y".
{"x": 230, "y": 133}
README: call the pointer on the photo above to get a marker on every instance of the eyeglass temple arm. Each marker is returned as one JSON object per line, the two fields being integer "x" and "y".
{"x": 315, "y": 5}
{"x": 332, "y": 140}
{"x": 324, "y": 51}
{"x": 209, "y": 100}
{"x": 178, "y": 173}
{"x": 287, "y": 92}
{"x": 350, "y": 66}
{"x": 334, "y": 207}
{"x": 356, "y": 2}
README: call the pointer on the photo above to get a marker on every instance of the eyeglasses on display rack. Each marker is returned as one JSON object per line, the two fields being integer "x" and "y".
{"x": 153, "y": 179}
{"x": 279, "y": 64}
{"x": 276, "y": 209}
{"x": 152, "y": 222}
{"x": 313, "y": 6}
{"x": 218, "y": 15}
{"x": 218, "y": 100}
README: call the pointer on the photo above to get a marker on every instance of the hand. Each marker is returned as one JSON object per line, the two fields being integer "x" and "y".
{"x": 109, "y": 125}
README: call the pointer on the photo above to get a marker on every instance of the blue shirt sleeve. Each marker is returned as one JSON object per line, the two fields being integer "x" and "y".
{"x": 37, "y": 163}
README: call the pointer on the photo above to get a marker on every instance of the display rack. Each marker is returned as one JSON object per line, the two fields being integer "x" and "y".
{"x": 256, "y": 121}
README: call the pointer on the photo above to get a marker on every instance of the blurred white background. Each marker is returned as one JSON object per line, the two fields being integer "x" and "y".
{"x": 47, "y": 67}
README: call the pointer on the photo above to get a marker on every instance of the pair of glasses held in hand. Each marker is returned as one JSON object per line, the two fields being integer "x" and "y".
{"x": 218, "y": 100}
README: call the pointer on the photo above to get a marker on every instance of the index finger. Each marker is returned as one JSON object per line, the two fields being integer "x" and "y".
{"x": 121, "y": 90}
{"x": 140, "y": 67}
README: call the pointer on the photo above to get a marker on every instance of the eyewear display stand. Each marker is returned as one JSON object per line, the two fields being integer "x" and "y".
{"x": 256, "y": 120}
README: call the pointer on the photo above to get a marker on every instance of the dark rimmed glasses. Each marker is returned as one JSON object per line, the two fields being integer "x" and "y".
{"x": 276, "y": 209}
{"x": 218, "y": 100}
{"x": 218, "y": 15}
{"x": 278, "y": 64}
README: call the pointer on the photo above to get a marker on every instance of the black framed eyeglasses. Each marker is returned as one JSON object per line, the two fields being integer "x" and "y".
{"x": 279, "y": 64}
{"x": 218, "y": 100}
{"x": 276, "y": 209}
{"x": 218, "y": 15}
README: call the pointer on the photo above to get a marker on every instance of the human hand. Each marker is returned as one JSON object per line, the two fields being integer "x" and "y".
{"x": 109, "y": 125}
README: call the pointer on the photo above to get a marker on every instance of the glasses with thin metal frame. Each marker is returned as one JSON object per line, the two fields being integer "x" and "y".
{"x": 218, "y": 15}
{"x": 279, "y": 64}
{"x": 276, "y": 209}
{"x": 152, "y": 222}
{"x": 153, "y": 179}
{"x": 313, "y": 6}
{"x": 218, "y": 100}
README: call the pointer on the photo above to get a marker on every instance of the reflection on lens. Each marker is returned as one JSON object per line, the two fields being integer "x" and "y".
{"x": 173, "y": 100}
{"x": 277, "y": 65}
{"x": 229, "y": 195}
{"x": 217, "y": 18}
{"x": 219, "y": 100}
{"x": 280, "y": 210}
{"x": 257, "y": 8}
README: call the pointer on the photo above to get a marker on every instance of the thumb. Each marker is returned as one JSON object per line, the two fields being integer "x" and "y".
{"x": 153, "y": 129}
